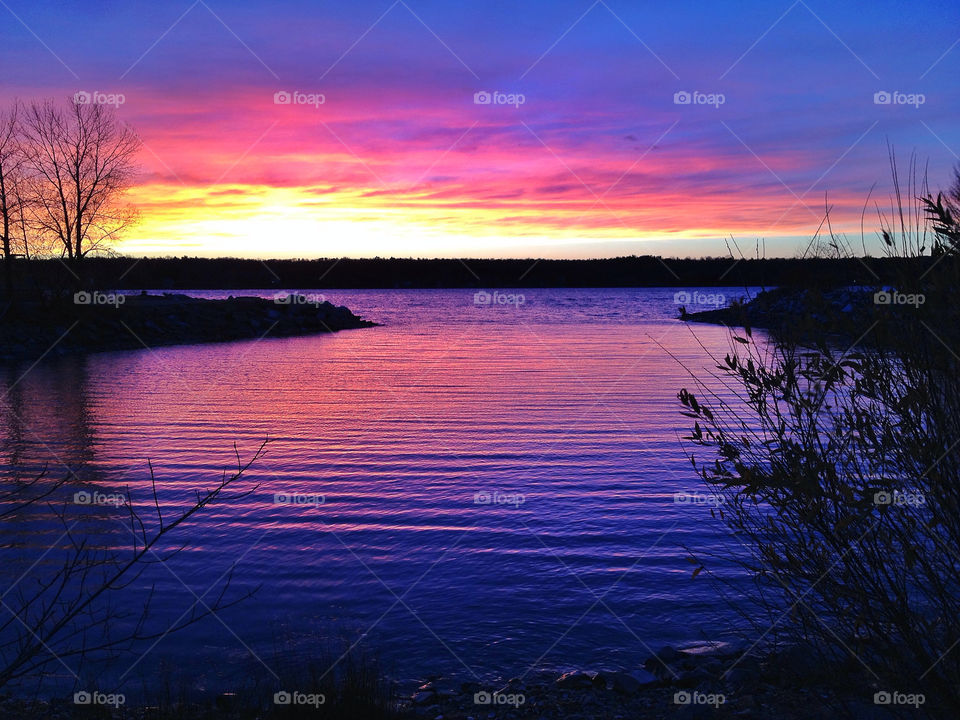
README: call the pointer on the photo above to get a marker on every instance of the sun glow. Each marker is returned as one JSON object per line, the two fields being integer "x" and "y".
{"x": 264, "y": 221}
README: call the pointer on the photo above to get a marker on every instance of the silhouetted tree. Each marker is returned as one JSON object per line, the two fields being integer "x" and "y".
{"x": 12, "y": 186}
{"x": 82, "y": 160}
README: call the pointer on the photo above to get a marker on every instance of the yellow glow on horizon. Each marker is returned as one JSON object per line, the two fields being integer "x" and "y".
{"x": 276, "y": 222}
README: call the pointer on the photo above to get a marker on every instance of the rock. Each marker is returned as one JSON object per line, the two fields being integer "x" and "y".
{"x": 646, "y": 679}
{"x": 622, "y": 682}
{"x": 227, "y": 702}
{"x": 576, "y": 679}
{"x": 668, "y": 654}
{"x": 661, "y": 664}
{"x": 707, "y": 648}
{"x": 714, "y": 667}
{"x": 513, "y": 686}
{"x": 445, "y": 688}
{"x": 696, "y": 677}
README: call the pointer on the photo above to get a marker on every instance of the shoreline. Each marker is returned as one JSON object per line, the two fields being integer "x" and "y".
{"x": 91, "y": 322}
{"x": 703, "y": 681}
{"x": 799, "y": 312}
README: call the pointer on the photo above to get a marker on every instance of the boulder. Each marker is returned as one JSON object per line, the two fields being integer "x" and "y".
{"x": 626, "y": 683}
{"x": 423, "y": 697}
{"x": 576, "y": 679}
{"x": 706, "y": 648}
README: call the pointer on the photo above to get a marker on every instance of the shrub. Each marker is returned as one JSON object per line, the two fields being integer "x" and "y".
{"x": 840, "y": 473}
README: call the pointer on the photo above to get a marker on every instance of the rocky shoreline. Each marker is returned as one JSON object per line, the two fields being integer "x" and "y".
{"x": 94, "y": 322}
{"x": 707, "y": 681}
{"x": 836, "y": 309}
{"x": 871, "y": 315}
{"x": 691, "y": 683}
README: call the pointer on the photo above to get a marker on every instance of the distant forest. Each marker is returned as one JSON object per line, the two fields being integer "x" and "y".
{"x": 124, "y": 273}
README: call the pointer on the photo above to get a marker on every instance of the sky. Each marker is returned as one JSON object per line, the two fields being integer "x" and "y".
{"x": 487, "y": 128}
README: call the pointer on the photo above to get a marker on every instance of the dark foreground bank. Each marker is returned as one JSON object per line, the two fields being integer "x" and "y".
{"x": 95, "y": 322}
{"x": 687, "y": 684}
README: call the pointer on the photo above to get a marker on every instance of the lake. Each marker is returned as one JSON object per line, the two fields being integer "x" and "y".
{"x": 479, "y": 487}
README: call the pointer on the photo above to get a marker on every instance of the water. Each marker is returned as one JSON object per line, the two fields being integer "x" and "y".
{"x": 491, "y": 486}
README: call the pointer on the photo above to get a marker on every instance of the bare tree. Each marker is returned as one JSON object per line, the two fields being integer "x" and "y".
{"x": 12, "y": 186}
{"x": 83, "y": 159}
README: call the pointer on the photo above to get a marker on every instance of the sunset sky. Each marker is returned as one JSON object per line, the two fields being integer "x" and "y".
{"x": 597, "y": 160}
